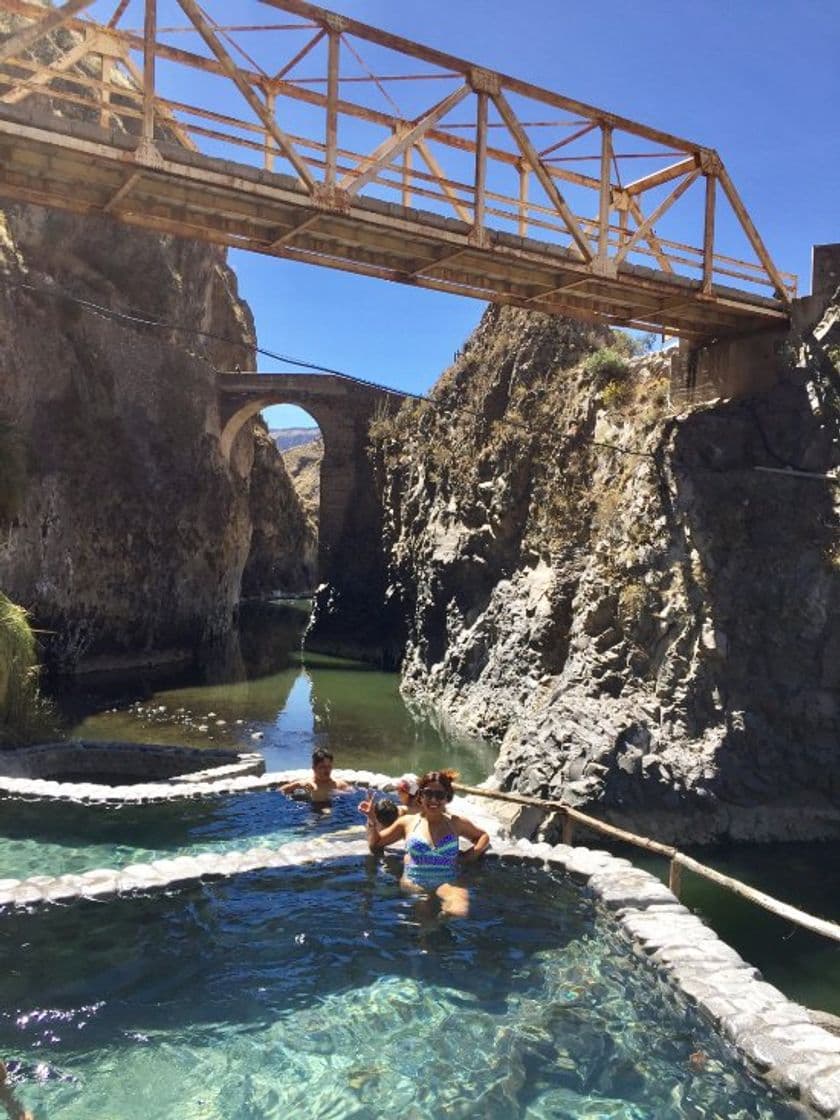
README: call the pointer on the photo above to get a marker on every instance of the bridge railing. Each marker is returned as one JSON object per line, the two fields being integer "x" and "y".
{"x": 354, "y": 112}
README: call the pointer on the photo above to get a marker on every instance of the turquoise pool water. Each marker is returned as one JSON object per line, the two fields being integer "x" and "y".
{"x": 326, "y": 994}
{"x": 64, "y": 838}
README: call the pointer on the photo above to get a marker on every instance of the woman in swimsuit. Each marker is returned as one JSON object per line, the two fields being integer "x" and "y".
{"x": 432, "y": 855}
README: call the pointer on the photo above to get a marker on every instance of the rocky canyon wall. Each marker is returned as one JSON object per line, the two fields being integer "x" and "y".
{"x": 284, "y": 541}
{"x": 134, "y": 533}
{"x": 643, "y": 616}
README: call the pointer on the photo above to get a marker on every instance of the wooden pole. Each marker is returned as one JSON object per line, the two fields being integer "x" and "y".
{"x": 149, "y": 45}
{"x": 677, "y": 859}
{"x": 765, "y": 901}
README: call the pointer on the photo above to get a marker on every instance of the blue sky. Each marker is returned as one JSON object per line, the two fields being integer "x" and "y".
{"x": 755, "y": 79}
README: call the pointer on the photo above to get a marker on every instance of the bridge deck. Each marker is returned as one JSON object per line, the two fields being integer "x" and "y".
{"x": 150, "y": 173}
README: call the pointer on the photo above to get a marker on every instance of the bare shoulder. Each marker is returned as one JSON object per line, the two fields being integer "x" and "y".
{"x": 463, "y": 826}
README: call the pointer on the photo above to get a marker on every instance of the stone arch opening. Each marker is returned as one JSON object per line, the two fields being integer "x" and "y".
{"x": 350, "y": 561}
{"x": 268, "y": 449}
{"x": 300, "y": 441}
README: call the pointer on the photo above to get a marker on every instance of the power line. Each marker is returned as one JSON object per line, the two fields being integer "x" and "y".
{"x": 161, "y": 324}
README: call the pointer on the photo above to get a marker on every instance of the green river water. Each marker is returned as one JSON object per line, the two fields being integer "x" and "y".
{"x": 272, "y": 698}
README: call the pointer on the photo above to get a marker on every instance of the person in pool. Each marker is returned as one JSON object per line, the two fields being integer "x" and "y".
{"x": 7, "y": 1098}
{"x": 322, "y": 785}
{"x": 408, "y": 791}
{"x": 432, "y": 855}
{"x": 385, "y": 811}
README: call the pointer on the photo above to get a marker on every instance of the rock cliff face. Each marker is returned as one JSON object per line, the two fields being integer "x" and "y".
{"x": 653, "y": 631}
{"x": 134, "y": 532}
{"x": 303, "y": 464}
{"x": 284, "y": 542}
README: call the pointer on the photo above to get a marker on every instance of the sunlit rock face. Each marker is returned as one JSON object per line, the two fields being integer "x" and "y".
{"x": 134, "y": 531}
{"x": 652, "y": 635}
{"x": 284, "y": 541}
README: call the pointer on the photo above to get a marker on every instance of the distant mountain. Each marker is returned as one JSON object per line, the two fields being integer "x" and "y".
{"x": 293, "y": 437}
{"x": 303, "y": 464}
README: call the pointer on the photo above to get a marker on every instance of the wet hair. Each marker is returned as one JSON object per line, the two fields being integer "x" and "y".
{"x": 386, "y": 811}
{"x": 321, "y": 754}
{"x": 443, "y": 778}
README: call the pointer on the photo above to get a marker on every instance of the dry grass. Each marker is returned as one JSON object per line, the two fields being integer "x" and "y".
{"x": 24, "y": 714}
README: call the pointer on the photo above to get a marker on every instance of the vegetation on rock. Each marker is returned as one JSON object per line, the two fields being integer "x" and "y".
{"x": 24, "y": 714}
{"x": 643, "y": 619}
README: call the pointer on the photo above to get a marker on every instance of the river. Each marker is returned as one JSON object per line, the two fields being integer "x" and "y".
{"x": 268, "y": 694}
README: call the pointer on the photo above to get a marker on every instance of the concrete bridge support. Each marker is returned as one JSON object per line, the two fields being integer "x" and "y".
{"x": 350, "y": 552}
{"x": 752, "y": 363}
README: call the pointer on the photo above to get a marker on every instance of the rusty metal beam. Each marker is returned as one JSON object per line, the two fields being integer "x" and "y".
{"x": 392, "y": 148}
{"x": 232, "y": 71}
{"x": 27, "y": 36}
{"x": 366, "y": 222}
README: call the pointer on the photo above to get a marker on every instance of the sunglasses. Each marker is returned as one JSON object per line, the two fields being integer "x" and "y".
{"x": 433, "y": 794}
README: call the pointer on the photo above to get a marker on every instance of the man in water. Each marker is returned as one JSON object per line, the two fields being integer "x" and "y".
{"x": 322, "y": 785}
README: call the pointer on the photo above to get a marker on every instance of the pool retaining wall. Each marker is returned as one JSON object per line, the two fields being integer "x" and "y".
{"x": 774, "y": 1036}
{"x": 147, "y": 762}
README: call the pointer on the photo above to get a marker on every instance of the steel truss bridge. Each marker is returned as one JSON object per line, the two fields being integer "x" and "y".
{"x": 316, "y": 138}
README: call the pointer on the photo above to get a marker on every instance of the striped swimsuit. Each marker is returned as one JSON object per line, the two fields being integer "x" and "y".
{"x": 427, "y": 864}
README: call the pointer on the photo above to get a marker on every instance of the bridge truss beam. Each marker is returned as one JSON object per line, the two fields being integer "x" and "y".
{"x": 474, "y": 186}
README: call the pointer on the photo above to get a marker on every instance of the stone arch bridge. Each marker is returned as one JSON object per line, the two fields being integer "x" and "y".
{"x": 350, "y": 555}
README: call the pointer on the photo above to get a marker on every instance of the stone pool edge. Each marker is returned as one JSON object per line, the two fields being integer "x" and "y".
{"x": 773, "y": 1036}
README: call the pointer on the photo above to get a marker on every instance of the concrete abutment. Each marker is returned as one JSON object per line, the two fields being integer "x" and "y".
{"x": 747, "y": 364}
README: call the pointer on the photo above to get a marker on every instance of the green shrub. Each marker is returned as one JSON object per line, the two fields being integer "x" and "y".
{"x": 607, "y": 365}
{"x": 615, "y": 394}
{"x": 24, "y": 714}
